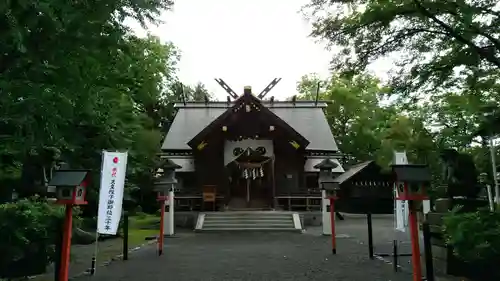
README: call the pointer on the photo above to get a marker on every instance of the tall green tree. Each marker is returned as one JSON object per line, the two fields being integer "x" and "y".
{"x": 363, "y": 126}
{"x": 435, "y": 44}
{"x": 74, "y": 79}
{"x": 446, "y": 58}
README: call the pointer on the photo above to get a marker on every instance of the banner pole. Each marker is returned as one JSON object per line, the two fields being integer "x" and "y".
{"x": 96, "y": 246}
{"x": 94, "y": 258}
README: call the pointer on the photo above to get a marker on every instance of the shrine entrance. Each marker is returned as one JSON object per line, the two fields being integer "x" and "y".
{"x": 235, "y": 152}
{"x": 251, "y": 182}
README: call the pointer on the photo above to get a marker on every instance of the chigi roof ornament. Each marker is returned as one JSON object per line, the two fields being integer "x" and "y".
{"x": 247, "y": 89}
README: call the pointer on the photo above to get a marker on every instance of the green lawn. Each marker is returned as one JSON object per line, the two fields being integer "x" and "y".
{"x": 137, "y": 237}
{"x": 142, "y": 226}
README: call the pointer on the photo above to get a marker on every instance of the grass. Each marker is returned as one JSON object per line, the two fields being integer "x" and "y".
{"x": 142, "y": 226}
{"x": 144, "y": 221}
{"x": 137, "y": 237}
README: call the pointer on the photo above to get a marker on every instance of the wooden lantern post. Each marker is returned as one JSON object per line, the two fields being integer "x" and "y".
{"x": 329, "y": 189}
{"x": 412, "y": 181}
{"x": 163, "y": 185}
{"x": 332, "y": 187}
{"x": 71, "y": 189}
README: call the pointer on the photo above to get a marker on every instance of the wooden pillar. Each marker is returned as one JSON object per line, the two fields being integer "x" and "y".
{"x": 273, "y": 182}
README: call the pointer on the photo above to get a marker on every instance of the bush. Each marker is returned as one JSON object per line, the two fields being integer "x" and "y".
{"x": 28, "y": 232}
{"x": 89, "y": 223}
{"x": 136, "y": 210}
{"x": 473, "y": 235}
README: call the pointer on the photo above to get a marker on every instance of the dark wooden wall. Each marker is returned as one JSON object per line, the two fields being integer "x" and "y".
{"x": 289, "y": 162}
{"x": 368, "y": 191}
{"x": 209, "y": 167}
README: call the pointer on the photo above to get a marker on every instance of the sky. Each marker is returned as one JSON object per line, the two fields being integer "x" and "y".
{"x": 246, "y": 43}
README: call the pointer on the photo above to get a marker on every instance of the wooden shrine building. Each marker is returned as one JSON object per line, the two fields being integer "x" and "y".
{"x": 364, "y": 188}
{"x": 248, "y": 152}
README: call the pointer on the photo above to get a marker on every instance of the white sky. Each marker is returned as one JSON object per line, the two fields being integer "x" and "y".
{"x": 244, "y": 43}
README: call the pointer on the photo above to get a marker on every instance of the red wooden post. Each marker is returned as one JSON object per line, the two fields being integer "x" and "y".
{"x": 66, "y": 243}
{"x": 415, "y": 248}
{"x": 162, "y": 220}
{"x": 332, "y": 224}
{"x": 411, "y": 181}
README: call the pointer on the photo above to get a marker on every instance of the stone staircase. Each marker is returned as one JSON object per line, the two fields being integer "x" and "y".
{"x": 248, "y": 221}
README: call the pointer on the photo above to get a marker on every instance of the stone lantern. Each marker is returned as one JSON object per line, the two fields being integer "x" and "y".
{"x": 164, "y": 185}
{"x": 328, "y": 189}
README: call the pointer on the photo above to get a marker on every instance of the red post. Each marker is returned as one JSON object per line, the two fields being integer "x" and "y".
{"x": 162, "y": 219}
{"x": 332, "y": 224}
{"x": 415, "y": 248}
{"x": 66, "y": 243}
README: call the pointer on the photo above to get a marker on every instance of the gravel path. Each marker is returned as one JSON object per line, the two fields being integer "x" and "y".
{"x": 383, "y": 236}
{"x": 252, "y": 256}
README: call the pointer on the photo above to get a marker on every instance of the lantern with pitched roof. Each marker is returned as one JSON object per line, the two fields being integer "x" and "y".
{"x": 165, "y": 186}
{"x": 166, "y": 179}
{"x": 412, "y": 181}
{"x": 329, "y": 190}
{"x": 325, "y": 179}
{"x": 71, "y": 186}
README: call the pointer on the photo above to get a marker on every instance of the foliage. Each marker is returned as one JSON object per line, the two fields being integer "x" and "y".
{"x": 473, "y": 235}
{"x": 445, "y": 65}
{"x": 144, "y": 221}
{"x": 74, "y": 78}
{"x": 435, "y": 44}
{"x": 365, "y": 127}
{"x": 29, "y": 227}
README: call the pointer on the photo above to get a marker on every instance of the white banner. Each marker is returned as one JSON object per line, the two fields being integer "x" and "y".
{"x": 114, "y": 168}
{"x": 401, "y": 210}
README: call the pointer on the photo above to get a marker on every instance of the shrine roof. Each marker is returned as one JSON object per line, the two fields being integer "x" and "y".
{"x": 306, "y": 117}
{"x": 354, "y": 170}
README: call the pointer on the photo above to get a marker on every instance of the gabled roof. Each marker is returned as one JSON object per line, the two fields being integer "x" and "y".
{"x": 248, "y": 98}
{"x": 352, "y": 171}
{"x": 306, "y": 117}
{"x": 68, "y": 177}
{"x": 326, "y": 163}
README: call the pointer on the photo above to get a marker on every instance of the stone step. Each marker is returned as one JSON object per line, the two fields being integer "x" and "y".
{"x": 248, "y": 221}
{"x": 245, "y": 225}
{"x": 250, "y": 229}
{"x": 259, "y": 217}
{"x": 259, "y": 220}
{"x": 246, "y": 212}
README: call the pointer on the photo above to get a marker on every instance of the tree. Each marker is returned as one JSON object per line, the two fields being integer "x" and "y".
{"x": 74, "y": 78}
{"x": 438, "y": 44}
{"x": 198, "y": 92}
{"x": 446, "y": 59}
{"x": 364, "y": 128}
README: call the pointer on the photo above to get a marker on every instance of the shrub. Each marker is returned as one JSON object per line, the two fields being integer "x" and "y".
{"x": 28, "y": 232}
{"x": 89, "y": 223}
{"x": 473, "y": 235}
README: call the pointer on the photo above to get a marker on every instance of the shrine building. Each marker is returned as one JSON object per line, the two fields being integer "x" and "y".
{"x": 249, "y": 153}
